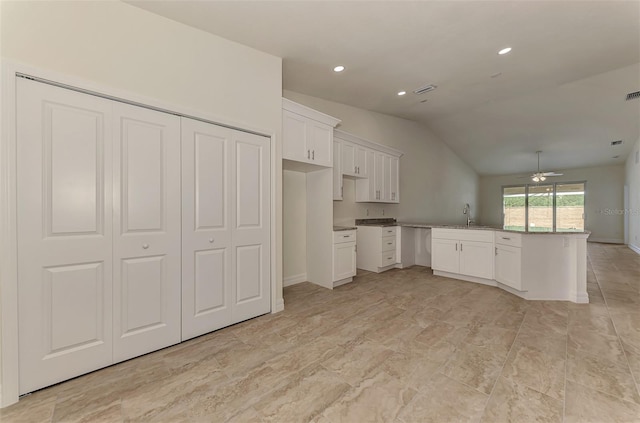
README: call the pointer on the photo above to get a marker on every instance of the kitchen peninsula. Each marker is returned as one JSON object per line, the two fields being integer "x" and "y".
{"x": 531, "y": 265}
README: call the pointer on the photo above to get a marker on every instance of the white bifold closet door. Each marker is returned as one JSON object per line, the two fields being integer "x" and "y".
{"x": 146, "y": 239}
{"x": 98, "y": 202}
{"x": 225, "y": 222}
{"x": 64, "y": 214}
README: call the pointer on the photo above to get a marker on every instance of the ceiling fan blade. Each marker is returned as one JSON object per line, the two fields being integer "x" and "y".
{"x": 552, "y": 174}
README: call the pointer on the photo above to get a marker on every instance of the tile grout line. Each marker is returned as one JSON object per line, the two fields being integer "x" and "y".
{"x": 613, "y": 323}
{"x": 503, "y": 365}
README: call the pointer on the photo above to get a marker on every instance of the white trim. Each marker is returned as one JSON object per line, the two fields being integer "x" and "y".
{"x": 342, "y": 282}
{"x": 8, "y": 241}
{"x": 635, "y": 248}
{"x": 606, "y": 240}
{"x": 9, "y": 377}
{"x": 305, "y": 111}
{"x": 579, "y": 298}
{"x": 489, "y": 282}
{"x": 345, "y": 136}
{"x": 279, "y": 306}
{"x": 294, "y": 279}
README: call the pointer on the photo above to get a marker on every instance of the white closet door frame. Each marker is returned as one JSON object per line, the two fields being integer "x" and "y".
{"x": 9, "y": 71}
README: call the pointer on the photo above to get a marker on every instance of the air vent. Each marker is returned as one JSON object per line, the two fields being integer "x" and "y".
{"x": 633, "y": 96}
{"x": 619, "y": 142}
{"x": 425, "y": 89}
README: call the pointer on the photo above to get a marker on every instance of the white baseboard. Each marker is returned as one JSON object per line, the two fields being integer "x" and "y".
{"x": 635, "y": 248}
{"x": 606, "y": 240}
{"x": 279, "y": 306}
{"x": 294, "y": 279}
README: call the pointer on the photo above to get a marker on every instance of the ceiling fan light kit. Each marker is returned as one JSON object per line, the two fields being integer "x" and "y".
{"x": 542, "y": 176}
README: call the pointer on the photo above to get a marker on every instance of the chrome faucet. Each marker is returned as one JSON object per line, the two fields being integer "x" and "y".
{"x": 467, "y": 210}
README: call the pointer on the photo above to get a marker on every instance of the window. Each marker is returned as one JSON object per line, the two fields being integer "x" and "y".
{"x": 544, "y": 207}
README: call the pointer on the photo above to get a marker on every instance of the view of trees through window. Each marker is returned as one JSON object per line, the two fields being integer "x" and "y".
{"x": 544, "y": 207}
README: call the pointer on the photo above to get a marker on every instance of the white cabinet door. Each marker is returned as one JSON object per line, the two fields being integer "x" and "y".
{"x": 445, "y": 255}
{"x": 476, "y": 259}
{"x": 321, "y": 143}
{"x": 294, "y": 137}
{"x": 386, "y": 178}
{"x": 378, "y": 177}
{"x": 394, "y": 180}
{"x": 64, "y": 208}
{"x": 344, "y": 260}
{"x": 206, "y": 228}
{"x": 337, "y": 170}
{"x": 508, "y": 262}
{"x": 146, "y": 271}
{"x": 250, "y": 219}
{"x": 348, "y": 159}
{"x": 362, "y": 167}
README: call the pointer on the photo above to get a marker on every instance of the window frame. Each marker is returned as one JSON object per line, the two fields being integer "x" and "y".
{"x": 554, "y": 184}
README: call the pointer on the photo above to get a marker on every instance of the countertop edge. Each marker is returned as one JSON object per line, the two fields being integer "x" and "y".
{"x": 485, "y": 228}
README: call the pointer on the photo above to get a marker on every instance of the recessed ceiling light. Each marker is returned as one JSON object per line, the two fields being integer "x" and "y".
{"x": 402, "y": 92}
{"x": 338, "y": 68}
{"x": 504, "y": 50}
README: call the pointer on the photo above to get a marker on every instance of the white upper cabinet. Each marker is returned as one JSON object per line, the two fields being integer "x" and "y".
{"x": 307, "y": 135}
{"x": 376, "y": 168}
{"x": 394, "y": 179}
{"x": 337, "y": 170}
{"x": 354, "y": 160}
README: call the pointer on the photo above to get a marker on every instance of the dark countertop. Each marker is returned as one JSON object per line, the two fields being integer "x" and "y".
{"x": 380, "y": 222}
{"x": 344, "y": 228}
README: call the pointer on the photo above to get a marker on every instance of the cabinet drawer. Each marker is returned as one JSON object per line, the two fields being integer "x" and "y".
{"x": 389, "y": 231}
{"x": 388, "y": 243}
{"x": 508, "y": 238}
{"x": 388, "y": 258}
{"x": 344, "y": 236}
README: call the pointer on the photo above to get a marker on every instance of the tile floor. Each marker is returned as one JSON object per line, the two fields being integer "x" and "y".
{"x": 402, "y": 346}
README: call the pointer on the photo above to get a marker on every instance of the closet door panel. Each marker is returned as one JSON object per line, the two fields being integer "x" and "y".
{"x": 251, "y": 235}
{"x": 147, "y": 231}
{"x": 206, "y": 238}
{"x": 64, "y": 210}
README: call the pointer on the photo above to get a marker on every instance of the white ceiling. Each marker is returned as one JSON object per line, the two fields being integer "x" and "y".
{"x": 561, "y": 90}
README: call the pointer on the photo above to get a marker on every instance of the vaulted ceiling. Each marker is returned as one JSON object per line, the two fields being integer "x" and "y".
{"x": 560, "y": 90}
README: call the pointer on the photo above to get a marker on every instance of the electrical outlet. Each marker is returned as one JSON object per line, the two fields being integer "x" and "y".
{"x": 367, "y": 210}
{"x": 383, "y": 212}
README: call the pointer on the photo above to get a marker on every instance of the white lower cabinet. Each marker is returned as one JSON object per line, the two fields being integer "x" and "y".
{"x": 344, "y": 257}
{"x": 464, "y": 252}
{"x": 377, "y": 248}
{"x": 508, "y": 260}
{"x": 445, "y": 255}
{"x": 100, "y": 240}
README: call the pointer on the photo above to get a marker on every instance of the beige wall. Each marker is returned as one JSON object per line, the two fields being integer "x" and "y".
{"x": 605, "y": 190}
{"x": 434, "y": 182}
{"x": 632, "y": 181}
{"x": 121, "y": 47}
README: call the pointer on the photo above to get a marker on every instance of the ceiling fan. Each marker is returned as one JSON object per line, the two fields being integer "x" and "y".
{"x": 541, "y": 176}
